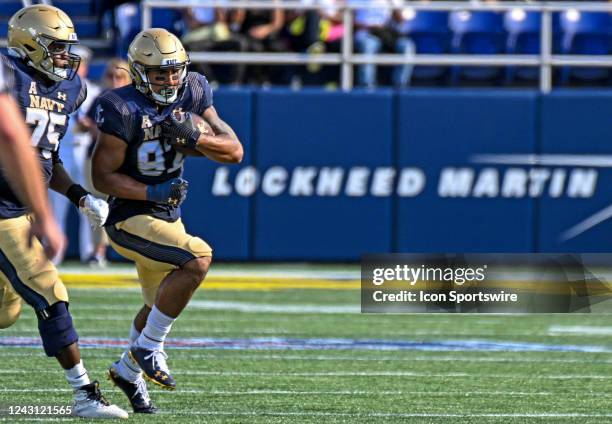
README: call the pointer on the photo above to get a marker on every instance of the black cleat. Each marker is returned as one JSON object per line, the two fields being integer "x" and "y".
{"x": 136, "y": 392}
{"x": 154, "y": 368}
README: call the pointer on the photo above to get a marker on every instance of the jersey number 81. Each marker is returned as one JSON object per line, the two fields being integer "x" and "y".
{"x": 151, "y": 160}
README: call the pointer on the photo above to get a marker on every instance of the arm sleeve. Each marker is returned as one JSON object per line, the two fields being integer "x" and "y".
{"x": 82, "y": 95}
{"x": 202, "y": 94}
{"x": 112, "y": 118}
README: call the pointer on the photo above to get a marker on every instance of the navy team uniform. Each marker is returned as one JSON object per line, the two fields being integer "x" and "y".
{"x": 151, "y": 234}
{"x": 25, "y": 271}
{"x": 46, "y": 110}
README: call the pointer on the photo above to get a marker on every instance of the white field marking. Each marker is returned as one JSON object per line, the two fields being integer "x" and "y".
{"x": 187, "y": 391}
{"x": 247, "y": 307}
{"x": 385, "y": 414}
{"x": 498, "y": 359}
{"x": 280, "y": 331}
{"x": 100, "y": 305}
{"x": 285, "y": 308}
{"x": 579, "y": 330}
{"x": 38, "y": 419}
{"x": 198, "y": 330}
{"x": 353, "y": 374}
{"x": 129, "y": 316}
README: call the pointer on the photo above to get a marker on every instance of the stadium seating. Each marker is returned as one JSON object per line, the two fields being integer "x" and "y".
{"x": 523, "y": 38}
{"x": 586, "y": 33}
{"x": 128, "y": 18}
{"x": 477, "y": 33}
{"x": 429, "y": 31}
{"x": 8, "y": 8}
{"x": 75, "y": 8}
{"x": 87, "y": 27}
{"x": 433, "y": 32}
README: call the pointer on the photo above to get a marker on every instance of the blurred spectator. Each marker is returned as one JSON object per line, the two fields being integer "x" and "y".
{"x": 209, "y": 30}
{"x": 262, "y": 29}
{"x": 316, "y": 32}
{"x": 115, "y": 75}
{"x": 127, "y": 24}
{"x": 73, "y": 150}
{"x": 376, "y": 32}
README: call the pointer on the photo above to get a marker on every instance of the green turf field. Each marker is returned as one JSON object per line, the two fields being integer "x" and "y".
{"x": 251, "y": 384}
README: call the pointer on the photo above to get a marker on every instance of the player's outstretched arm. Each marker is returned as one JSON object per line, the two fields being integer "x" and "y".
{"x": 108, "y": 156}
{"x": 95, "y": 209}
{"x": 23, "y": 171}
{"x": 224, "y": 146}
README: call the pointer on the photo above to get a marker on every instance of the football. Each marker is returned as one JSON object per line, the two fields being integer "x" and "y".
{"x": 195, "y": 121}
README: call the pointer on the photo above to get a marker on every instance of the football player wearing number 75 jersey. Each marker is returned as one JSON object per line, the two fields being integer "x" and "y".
{"x": 145, "y": 128}
{"x": 39, "y": 73}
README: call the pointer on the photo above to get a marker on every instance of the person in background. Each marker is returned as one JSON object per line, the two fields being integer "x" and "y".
{"x": 262, "y": 28}
{"x": 72, "y": 153}
{"x": 209, "y": 30}
{"x": 376, "y": 33}
{"x": 115, "y": 75}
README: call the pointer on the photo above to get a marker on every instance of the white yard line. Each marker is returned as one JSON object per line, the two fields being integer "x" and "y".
{"x": 579, "y": 330}
{"x": 285, "y": 308}
{"x": 347, "y": 414}
{"x": 181, "y": 329}
{"x": 509, "y": 360}
{"x": 187, "y": 391}
{"x": 352, "y": 374}
{"x": 386, "y": 414}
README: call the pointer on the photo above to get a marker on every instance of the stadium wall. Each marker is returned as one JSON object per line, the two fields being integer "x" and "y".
{"x": 331, "y": 175}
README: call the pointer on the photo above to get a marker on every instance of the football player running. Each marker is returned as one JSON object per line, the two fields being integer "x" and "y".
{"x": 17, "y": 156}
{"x": 40, "y": 74}
{"x": 137, "y": 163}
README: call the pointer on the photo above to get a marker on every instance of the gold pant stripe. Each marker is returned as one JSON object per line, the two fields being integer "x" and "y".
{"x": 157, "y": 247}
{"x": 150, "y": 249}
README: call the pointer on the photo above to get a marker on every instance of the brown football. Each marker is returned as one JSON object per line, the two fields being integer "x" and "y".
{"x": 195, "y": 121}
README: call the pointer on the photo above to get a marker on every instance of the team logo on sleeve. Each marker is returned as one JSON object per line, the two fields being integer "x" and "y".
{"x": 99, "y": 115}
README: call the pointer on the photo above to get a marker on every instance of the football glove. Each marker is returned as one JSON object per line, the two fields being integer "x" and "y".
{"x": 173, "y": 192}
{"x": 96, "y": 210}
{"x": 180, "y": 133}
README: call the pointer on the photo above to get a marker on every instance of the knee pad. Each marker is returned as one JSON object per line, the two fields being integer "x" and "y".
{"x": 56, "y": 329}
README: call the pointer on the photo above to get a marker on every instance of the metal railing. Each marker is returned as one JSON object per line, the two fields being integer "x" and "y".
{"x": 546, "y": 60}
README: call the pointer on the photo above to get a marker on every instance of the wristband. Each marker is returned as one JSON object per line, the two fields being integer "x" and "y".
{"x": 75, "y": 193}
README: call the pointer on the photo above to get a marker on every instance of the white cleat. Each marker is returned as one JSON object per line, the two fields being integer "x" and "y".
{"x": 89, "y": 403}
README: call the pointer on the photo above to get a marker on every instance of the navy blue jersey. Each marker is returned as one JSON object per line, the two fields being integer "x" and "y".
{"x": 132, "y": 117}
{"x": 45, "y": 107}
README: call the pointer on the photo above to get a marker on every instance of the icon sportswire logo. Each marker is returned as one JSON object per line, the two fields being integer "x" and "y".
{"x": 487, "y": 176}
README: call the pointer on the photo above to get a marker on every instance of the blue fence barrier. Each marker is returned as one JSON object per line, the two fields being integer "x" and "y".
{"x": 330, "y": 176}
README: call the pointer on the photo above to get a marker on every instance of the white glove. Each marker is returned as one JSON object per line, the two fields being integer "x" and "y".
{"x": 96, "y": 210}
